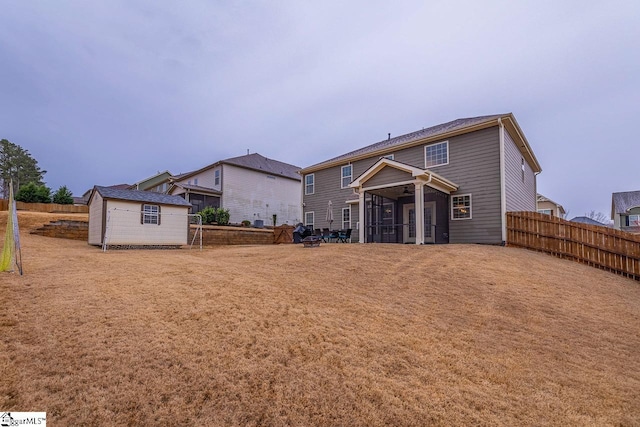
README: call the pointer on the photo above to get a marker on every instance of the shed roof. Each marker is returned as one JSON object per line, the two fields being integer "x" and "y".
{"x": 623, "y": 201}
{"x": 455, "y": 127}
{"x": 140, "y": 196}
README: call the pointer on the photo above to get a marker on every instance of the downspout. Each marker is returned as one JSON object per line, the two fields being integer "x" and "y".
{"x": 503, "y": 189}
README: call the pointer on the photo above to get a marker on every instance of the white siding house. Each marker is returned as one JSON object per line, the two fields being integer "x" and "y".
{"x": 251, "y": 187}
{"x": 137, "y": 218}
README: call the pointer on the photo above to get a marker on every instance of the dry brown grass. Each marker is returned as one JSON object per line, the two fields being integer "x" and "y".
{"x": 357, "y": 335}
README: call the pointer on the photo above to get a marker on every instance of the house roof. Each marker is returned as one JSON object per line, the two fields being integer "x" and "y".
{"x": 196, "y": 188}
{"x": 441, "y": 131}
{"x": 253, "y": 161}
{"x": 541, "y": 198}
{"x": 140, "y": 196}
{"x": 624, "y": 201}
{"x": 587, "y": 220}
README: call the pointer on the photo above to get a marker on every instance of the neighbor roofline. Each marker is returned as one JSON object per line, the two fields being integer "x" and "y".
{"x": 511, "y": 125}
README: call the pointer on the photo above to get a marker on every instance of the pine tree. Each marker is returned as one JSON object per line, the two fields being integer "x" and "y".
{"x": 17, "y": 163}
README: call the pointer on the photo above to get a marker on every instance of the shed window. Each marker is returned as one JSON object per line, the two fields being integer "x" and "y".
{"x": 151, "y": 214}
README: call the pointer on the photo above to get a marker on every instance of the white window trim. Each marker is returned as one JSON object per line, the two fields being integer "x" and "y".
{"x": 313, "y": 218}
{"x": 546, "y": 211}
{"x": 348, "y": 225}
{"x": 216, "y": 177}
{"x": 150, "y": 216}
{"x": 431, "y": 145}
{"x": 632, "y": 222}
{"x": 306, "y": 186}
{"x": 470, "y": 207}
{"x": 342, "y": 176}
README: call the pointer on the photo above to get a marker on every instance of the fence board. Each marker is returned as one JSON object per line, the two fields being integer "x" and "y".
{"x": 601, "y": 247}
{"x": 45, "y": 207}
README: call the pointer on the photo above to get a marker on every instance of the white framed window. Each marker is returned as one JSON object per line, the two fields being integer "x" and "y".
{"x": 309, "y": 219}
{"x": 309, "y": 184}
{"x": 216, "y": 177}
{"x": 195, "y": 181}
{"x": 436, "y": 154}
{"x": 346, "y": 218}
{"x": 346, "y": 176}
{"x": 150, "y": 214}
{"x": 634, "y": 220}
{"x": 545, "y": 211}
{"x": 461, "y": 207}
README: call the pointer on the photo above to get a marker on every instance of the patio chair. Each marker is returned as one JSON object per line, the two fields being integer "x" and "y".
{"x": 344, "y": 235}
{"x": 326, "y": 235}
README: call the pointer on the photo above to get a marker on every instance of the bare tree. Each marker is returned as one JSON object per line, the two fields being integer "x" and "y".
{"x": 598, "y": 216}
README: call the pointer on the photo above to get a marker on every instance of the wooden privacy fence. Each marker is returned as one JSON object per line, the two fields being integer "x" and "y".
{"x": 45, "y": 207}
{"x": 601, "y": 247}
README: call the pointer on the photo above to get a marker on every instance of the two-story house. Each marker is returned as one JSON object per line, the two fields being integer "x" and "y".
{"x": 450, "y": 183}
{"x": 625, "y": 211}
{"x": 252, "y": 187}
{"x": 549, "y": 207}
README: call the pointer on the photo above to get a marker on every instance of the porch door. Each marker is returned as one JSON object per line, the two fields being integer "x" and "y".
{"x": 429, "y": 222}
{"x": 409, "y": 223}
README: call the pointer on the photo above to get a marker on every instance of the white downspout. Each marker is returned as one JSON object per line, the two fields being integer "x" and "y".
{"x": 503, "y": 189}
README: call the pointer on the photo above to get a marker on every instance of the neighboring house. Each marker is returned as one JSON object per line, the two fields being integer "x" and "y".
{"x": 587, "y": 220}
{"x": 158, "y": 183}
{"x": 549, "y": 207}
{"x": 137, "y": 218}
{"x": 252, "y": 187}
{"x": 625, "y": 211}
{"x": 451, "y": 183}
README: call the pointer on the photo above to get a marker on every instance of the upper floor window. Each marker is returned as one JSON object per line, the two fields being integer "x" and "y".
{"x": 216, "y": 177}
{"x": 195, "y": 181}
{"x": 346, "y": 176}
{"x": 309, "y": 183}
{"x": 436, "y": 154}
{"x": 150, "y": 214}
{"x": 634, "y": 221}
{"x": 461, "y": 206}
{"x": 545, "y": 211}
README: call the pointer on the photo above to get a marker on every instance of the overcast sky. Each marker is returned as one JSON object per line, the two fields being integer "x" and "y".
{"x": 111, "y": 92}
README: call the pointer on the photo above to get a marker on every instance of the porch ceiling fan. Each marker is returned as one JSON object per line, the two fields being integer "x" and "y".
{"x": 406, "y": 190}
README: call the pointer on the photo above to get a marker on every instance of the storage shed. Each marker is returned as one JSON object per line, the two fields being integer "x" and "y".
{"x": 137, "y": 218}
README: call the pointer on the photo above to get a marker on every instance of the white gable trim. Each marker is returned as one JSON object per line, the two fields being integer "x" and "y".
{"x": 424, "y": 176}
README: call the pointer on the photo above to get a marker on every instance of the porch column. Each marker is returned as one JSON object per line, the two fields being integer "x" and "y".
{"x": 361, "y": 216}
{"x": 419, "y": 208}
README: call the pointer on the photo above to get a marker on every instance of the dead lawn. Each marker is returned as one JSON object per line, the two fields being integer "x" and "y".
{"x": 353, "y": 335}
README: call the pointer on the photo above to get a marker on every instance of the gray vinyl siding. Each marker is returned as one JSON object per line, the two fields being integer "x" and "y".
{"x": 474, "y": 165}
{"x": 388, "y": 175}
{"x": 519, "y": 195}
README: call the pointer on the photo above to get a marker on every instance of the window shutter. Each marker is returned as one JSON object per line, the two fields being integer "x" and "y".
{"x": 159, "y": 216}
{"x": 626, "y": 220}
{"x": 142, "y": 214}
